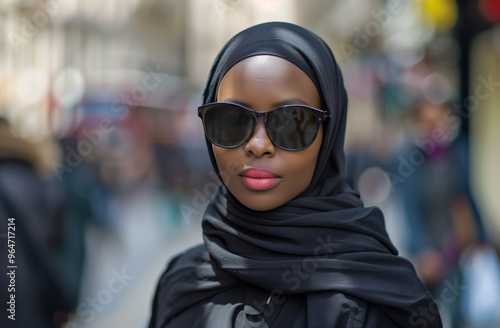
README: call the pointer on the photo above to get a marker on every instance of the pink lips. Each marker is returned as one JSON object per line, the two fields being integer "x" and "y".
{"x": 259, "y": 179}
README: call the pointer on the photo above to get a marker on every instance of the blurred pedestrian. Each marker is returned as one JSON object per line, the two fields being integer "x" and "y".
{"x": 34, "y": 206}
{"x": 442, "y": 218}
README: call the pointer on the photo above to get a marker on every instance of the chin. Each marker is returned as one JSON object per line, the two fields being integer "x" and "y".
{"x": 261, "y": 203}
{"x": 260, "y": 208}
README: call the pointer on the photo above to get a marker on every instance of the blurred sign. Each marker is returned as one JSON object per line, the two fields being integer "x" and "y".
{"x": 442, "y": 14}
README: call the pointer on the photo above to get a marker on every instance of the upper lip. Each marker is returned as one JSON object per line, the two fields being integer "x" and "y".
{"x": 257, "y": 173}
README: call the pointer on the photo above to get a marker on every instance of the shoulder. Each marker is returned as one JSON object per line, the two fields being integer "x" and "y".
{"x": 344, "y": 310}
{"x": 189, "y": 259}
{"x": 178, "y": 280}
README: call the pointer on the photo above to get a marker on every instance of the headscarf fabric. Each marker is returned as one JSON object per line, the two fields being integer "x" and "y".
{"x": 338, "y": 245}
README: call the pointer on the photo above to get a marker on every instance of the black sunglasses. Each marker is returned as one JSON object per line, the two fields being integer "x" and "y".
{"x": 290, "y": 127}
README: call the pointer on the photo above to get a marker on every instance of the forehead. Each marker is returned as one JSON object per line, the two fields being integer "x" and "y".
{"x": 264, "y": 77}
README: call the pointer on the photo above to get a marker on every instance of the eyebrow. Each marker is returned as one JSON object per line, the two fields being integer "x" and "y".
{"x": 290, "y": 101}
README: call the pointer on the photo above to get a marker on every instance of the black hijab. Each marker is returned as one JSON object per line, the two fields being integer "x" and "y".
{"x": 340, "y": 246}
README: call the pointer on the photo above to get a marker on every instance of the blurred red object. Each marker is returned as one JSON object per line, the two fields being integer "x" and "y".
{"x": 490, "y": 10}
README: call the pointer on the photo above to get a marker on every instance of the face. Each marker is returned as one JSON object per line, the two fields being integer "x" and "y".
{"x": 430, "y": 117}
{"x": 259, "y": 174}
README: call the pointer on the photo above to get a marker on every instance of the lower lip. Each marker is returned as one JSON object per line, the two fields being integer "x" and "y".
{"x": 260, "y": 183}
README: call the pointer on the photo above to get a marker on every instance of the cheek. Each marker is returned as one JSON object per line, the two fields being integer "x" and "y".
{"x": 228, "y": 161}
{"x": 297, "y": 169}
{"x": 302, "y": 164}
{"x": 312, "y": 153}
{"x": 302, "y": 170}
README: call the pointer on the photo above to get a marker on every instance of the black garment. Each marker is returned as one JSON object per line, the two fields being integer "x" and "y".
{"x": 245, "y": 306}
{"x": 36, "y": 206}
{"x": 326, "y": 258}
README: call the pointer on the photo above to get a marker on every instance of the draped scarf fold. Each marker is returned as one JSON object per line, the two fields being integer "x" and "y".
{"x": 321, "y": 243}
{"x": 339, "y": 248}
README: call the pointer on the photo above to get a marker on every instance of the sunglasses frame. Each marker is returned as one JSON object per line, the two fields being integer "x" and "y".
{"x": 321, "y": 116}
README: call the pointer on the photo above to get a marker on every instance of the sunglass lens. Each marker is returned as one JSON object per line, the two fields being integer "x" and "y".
{"x": 292, "y": 127}
{"x": 228, "y": 125}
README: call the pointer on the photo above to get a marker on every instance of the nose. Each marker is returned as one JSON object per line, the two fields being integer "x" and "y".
{"x": 260, "y": 144}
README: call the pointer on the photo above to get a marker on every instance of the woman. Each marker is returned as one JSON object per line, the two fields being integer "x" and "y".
{"x": 287, "y": 243}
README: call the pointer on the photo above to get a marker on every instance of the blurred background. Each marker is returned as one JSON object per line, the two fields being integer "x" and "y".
{"x": 103, "y": 162}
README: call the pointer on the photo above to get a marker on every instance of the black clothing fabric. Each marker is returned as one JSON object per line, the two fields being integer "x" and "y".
{"x": 36, "y": 206}
{"x": 321, "y": 260}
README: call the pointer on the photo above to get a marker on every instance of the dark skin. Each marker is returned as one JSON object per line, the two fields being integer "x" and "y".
{"x": 263, "y": 83}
